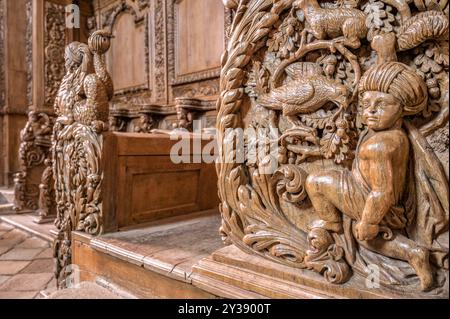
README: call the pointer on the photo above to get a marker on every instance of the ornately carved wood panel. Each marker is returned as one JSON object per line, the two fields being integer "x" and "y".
{"x": 128, "y": 58}
{"x": 198, "y": 39}
{"x": 348, "y": 99}
{"x": 162, "y": 50}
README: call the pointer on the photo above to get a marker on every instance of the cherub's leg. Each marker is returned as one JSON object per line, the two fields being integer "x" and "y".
{"x": 403, "y": 248}
{"x": 322, "y": 188}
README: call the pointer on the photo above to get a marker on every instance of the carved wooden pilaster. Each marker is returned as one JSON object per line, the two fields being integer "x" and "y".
{"x": 54, "y": 42}
{"x": 46, "y": 57}
{"x": 2, "y": 54}
{"x": 29, "y": 51}
{"x": 13, "y": 85}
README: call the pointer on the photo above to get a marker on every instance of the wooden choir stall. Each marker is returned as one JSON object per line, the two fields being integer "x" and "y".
{"x": 336, "y": 188}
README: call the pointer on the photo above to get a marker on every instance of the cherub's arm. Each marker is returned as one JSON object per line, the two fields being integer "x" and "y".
{"x": 382, "y": 197}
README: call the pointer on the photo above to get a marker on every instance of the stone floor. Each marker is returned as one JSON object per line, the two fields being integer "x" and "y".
{"x": 26, "y": 265}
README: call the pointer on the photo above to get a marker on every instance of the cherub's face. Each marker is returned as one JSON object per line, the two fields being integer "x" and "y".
{"x": 380, "y": 110}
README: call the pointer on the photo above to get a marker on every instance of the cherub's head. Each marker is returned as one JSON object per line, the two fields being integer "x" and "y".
{"x": 389, "y": 91}
{"x": 77, "y": 56}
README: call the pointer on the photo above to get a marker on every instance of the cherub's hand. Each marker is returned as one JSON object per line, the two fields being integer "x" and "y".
{"x": 366, "y": 231}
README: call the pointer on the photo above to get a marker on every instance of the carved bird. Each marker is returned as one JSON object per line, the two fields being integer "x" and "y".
{"x": 308, "y": 91}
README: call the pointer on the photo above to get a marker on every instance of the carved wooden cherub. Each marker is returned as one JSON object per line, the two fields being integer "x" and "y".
{"x": 87, "y": 87}
{"x": 375, "y": 192}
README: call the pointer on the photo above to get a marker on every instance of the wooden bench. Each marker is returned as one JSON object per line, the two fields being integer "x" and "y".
{"x": 142, "y": 184}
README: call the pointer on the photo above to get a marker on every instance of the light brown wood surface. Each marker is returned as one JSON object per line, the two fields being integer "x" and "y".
{"x": 143, "y": 184}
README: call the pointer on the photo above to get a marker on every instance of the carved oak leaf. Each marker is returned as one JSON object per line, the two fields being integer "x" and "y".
{"x": 257, "y": 82}
{"x": 438, "y": 54}
{"x": 318, "y": 119}
{"x": 341, "y": 4}
{"x": 285, "y": 40}
{"x": 379, "y": 18}
{"x": 337, "y": 141}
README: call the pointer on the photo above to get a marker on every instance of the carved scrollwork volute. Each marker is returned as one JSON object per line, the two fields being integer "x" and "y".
{"x": 82, "y": 108}
{"x": 304, "y": 80}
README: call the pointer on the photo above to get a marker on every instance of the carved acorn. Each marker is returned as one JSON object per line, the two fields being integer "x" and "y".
{"x": 230, "y": 4}
{"x": 100, "y": 41}
{"x": 433, "y": 88}
{"x": 424, "y": 26}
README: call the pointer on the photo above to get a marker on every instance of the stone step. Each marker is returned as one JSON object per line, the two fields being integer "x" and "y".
{"x": 6, "y": 196}
{"x": 153, "y": 260}
{"x": 85, "y": 290}
{"x": 6, "y": 200}
{"x": 26, "y": 223}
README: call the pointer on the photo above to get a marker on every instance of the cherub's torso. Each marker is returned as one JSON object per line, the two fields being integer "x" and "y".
{"x": 376, "y": 148}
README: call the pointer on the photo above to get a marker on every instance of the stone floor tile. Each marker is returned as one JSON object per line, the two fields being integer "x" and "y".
{"x": 49, "y": 290}
{"x": 86, "y": 290}
{"x": 21, "y": 254}
{"x": 47, "y": 253}
{"x": 4, "y": 226}
{"x": 33, "y": 242}
{"x": 3, "y": 278}
{"x": 13, "y": 237}
{"x": 18, "y": 294}
{"x": 39, "y": 266}
{"x": 27, "y": 282}
{"x": 15, "y": 234}
{"x": 4, "y": 249}
{"x": 12, "y": 267}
